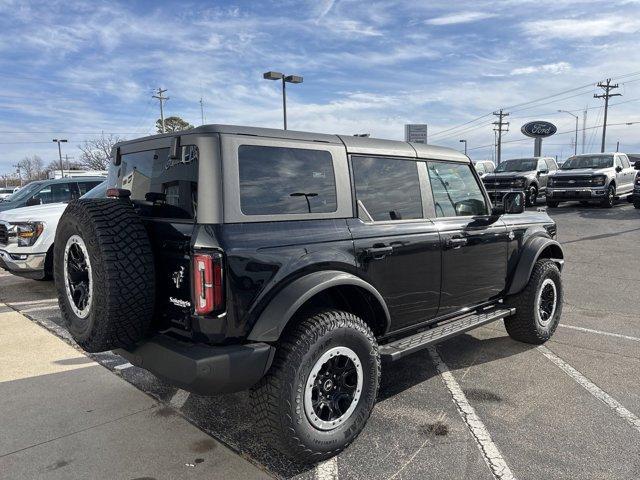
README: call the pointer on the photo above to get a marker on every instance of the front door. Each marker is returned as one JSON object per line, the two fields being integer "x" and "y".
{"x": 397, "y": 249}
{"x": 474, "y": 254}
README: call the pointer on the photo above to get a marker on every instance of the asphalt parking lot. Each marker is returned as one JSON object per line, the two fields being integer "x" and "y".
{"x": 477, "y": 406}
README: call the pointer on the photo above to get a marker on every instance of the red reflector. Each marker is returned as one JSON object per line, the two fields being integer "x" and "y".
{"x": 207, "y": 282}
{"x": 118, "y": 193}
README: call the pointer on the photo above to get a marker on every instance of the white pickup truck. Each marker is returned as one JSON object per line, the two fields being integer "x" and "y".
{"x": 27, "y": 234}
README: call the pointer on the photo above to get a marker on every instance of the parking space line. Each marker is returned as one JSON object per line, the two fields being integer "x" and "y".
{"x": 592, "y": 388}
{"x": 327, "y": 470}
{"x": 599, "y": 332}
{"x": 179, "y": 398}
{"x": 123, "y": 366}
{"x": 40, "y": 309}
{"x": 33, "y": 302}
{"x": 490, "y": 452}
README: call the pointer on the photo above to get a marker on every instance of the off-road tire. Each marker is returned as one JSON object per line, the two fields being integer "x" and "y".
{"x": 531, "y": 199}
{"x": 48, "y": 267}
{"x": 524, "y": 325}
{"x": 636, "y": 203}
{"x": 610, "y": 198}
{"x": 279, "y": 397}
{"x": 551, "y": 204}
{"x": 122, "y": 272}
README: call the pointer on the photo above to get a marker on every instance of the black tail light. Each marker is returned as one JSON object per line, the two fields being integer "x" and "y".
{"x": 208, "y": 286}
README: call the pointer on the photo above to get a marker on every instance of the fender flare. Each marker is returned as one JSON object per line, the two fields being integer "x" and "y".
{"x": 531, "y": 251}
{"x": 286, "y": 303}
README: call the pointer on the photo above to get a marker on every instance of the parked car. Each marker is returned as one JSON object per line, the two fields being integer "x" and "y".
{"x": 26, "y": 237}
{"x": 528, "y": 175}
{"x": 6, "y": 192}
{"x": 589, "y": 177}
{"x": 292, "y": 264}
{"x": 483, "y": 167}
{"x": 635, "y": 198}
{"x": 43, "y": 192}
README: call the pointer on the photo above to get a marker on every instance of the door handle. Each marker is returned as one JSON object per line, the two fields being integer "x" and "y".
{"x": 378, "y": 253}
{"x": 456, "y": 243}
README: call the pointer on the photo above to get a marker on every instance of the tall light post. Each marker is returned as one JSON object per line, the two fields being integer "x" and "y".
{"x": 285, "y": 79}
{"x": 575, "y": 150}
{"x": 59, "y": 141}
{"x": 465, "y": 146}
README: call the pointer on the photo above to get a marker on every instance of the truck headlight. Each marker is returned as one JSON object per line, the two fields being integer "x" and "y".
{"x": 598, "y": 181}
{"x": 28, "y": 233}
{"x": 518, "y": 182}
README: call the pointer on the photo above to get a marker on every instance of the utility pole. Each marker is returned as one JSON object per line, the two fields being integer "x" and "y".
{"x": 607, "y": 87}
{"x": 500, "y": 126}
{"x": 584, "y": 129}
{"x": 201, "y": 111}
{"x": 162, "y": 99}
{"x": 59, "y": 141}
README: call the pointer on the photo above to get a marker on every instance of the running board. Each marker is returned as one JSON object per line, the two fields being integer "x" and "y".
{"x": 395, "y": 350}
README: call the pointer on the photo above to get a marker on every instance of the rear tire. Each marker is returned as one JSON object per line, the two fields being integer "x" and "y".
{"x": 104, "y": 274}
{"x": 636, "y": 203}
{"x": 538, "y": 306}
{"x": 300, "y": 408}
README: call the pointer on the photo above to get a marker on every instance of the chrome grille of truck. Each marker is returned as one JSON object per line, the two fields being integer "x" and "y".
{"x": 572, "y": 182}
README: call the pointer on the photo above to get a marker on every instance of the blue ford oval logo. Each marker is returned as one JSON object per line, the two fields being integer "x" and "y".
{"x": 538, "y": 129}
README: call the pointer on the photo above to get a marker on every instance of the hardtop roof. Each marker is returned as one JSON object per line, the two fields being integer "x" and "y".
{"x": 355, "y": 145}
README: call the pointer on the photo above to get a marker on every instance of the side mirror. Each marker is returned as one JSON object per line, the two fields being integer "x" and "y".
{"x": 513, "y": 202}
{"x": 34, "y": 201}
{"x": 637, "y": 165}
{"x": 618, "y": 169}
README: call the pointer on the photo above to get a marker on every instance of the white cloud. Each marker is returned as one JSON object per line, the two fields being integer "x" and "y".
{"x": 553, "y": 68}
{"x": 578, "y": 28}
{"x": 457, "y": 18}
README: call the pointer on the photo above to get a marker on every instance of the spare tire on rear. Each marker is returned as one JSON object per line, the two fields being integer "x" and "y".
{"x": 104, "y": 274}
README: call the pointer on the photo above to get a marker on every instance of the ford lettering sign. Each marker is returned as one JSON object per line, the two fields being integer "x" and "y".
{"x": 538, "y": 129}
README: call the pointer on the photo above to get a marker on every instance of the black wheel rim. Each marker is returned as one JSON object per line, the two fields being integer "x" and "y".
{"x": 333, "y": 388}
{"x": 547, "y": 302}
{"x": 77, "y": 274}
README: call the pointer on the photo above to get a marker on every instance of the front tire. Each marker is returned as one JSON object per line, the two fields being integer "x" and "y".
{"x": 319, "y": 392}
{"x": 532, "y": 196}
{"x": 610, "y": 198}
{"x": 538, "y": 306}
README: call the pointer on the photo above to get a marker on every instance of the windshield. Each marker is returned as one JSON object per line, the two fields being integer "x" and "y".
{"x": 518, "y": 165}
{"x": 99, "y": 191}
{"x": 588, "y": 161}
{"x": 24, "y": 192}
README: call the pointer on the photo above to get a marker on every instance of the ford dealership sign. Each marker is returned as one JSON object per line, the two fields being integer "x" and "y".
{"x": 538, "y": 129}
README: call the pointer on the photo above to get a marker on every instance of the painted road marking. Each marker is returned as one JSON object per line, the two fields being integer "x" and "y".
{"x": 489, "y": 450}
{"x": 599, "y": 332}
{"x": 179, "y": 398}
{"x": 592, "y": 388}
{"x": 34, "y": 302}
{"x": 123, "y": 366}
{"x": 327, "y": 470}
{"x": 40, "y": 309}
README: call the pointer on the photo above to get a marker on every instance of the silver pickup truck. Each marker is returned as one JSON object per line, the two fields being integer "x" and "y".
{"x": 592, "y": 177}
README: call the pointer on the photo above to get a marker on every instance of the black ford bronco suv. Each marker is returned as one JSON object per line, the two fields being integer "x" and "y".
{"x": 293, "y": 264}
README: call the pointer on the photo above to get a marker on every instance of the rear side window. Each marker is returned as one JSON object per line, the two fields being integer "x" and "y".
{"x": 283, "y": 181}
{"x": 455, "y": 190}
{"x": 625, "y": 161}
{"x": 161, "y": 186}
{"x": 387, "y": 189}
{"x": 84, "y": 187}
{"x": 551, "y": 164}
{"x": 55, "y": 193}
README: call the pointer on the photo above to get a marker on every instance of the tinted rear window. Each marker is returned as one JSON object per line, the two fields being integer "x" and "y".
{"x": 280, "y": 181}
{"x": 163, "y": 187}
{"x": 387, "y": 188}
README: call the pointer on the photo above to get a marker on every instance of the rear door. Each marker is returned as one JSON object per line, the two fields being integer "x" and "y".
{"x": 474, "y": 243}
{"x": 621, "y": 176}
{"x": 164, "y": 191}
{"x": 629, "y": 174}
{"x": 397, "y": 249}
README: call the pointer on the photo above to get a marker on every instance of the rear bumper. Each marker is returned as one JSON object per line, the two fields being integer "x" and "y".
{"x": 579, "y": 193}
{"x": 202, "y": 369}
{"x": 30, "y": 265}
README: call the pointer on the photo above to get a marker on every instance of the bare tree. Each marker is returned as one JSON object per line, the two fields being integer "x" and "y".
{"x": 96, "y": 152}
{"x": 32, "y": 168}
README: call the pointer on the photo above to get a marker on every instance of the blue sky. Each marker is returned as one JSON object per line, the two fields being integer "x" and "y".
{"x": 77, "y": 68}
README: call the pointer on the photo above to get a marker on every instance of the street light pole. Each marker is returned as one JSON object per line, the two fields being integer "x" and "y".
{"x": 270, "y": 75}
{"x": 465, "y": 146}
{"x": 59, "y": 141}
{"x": 575, "y": 150}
